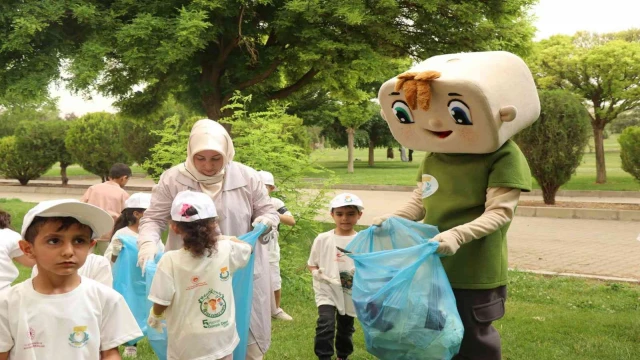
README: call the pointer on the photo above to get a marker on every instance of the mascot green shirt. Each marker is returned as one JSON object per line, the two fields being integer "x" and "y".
{"x": 453, "y": 193}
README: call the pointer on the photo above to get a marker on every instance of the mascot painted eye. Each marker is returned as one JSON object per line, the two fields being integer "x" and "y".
{"x": 460, "y": 112}
{"x": 401, "y": 109}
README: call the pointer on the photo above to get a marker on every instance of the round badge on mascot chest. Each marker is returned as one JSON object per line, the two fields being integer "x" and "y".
{"x": 429, "y": 185}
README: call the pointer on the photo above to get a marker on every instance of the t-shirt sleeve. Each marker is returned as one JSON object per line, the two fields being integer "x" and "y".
{"x": 239, "y": 255}
{"x": 102, "y": 271}
{"x": 13, "y": 244}
{"x": 509, "y": 168}
{"x": 86, "y": 195}
{"x": 6, "y": 340}
{"x": 118, "y": 324}
{"x": 314, "y": 256}
{"x": 281, "y": 208}
{"x": 163, "y": 286}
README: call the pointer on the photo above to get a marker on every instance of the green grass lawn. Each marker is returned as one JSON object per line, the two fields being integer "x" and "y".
{"x": 547, "y": 317}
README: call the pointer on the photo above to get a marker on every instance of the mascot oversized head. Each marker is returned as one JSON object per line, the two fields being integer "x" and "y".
{"x": 468, "y": 103}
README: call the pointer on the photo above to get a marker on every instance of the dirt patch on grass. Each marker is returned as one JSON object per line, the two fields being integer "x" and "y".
{"x": 581, "y": 205}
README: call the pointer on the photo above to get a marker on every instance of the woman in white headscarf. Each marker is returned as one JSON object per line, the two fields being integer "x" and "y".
{"x": 240, "y": 200}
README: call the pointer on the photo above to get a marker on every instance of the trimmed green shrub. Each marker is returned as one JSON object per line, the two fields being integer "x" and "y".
{"x": 630, "y": 151}
{"x": 554, "y": 144}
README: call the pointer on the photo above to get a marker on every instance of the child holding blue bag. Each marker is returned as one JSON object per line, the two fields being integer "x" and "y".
{"x": 126, "y": 226}
{"x": 192, "y": 286}
{"x": 333, "y": 272}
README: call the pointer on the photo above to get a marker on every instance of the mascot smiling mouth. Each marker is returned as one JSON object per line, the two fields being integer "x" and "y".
{"x": 441, "y": 134}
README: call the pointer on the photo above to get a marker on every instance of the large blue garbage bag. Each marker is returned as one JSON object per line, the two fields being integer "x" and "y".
{"x": 158, "y": 340}
{"x": 402, "y": 296}
{"x": 128, "y": 281}
{"x": 243, "y": 293}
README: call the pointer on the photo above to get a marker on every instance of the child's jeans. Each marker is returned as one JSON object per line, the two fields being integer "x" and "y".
{"x": 328, "y": 318}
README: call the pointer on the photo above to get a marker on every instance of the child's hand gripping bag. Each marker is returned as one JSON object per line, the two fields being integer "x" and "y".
{"x": 128, "y": 281}
{"x": 402, "y": 295}
{"x": 157, "y": 340}
{"x": 242, "y": 283}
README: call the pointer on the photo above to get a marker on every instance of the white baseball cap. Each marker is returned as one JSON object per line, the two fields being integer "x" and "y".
{"x": 346, "y": 199}
{"x": 201, "y": 202}
{"x": 99, "y": 220}
{"x": 138, "y": 201}
{"x": 267, "y": 178}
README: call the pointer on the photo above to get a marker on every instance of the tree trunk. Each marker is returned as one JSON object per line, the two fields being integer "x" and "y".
{"x": 389, "y": 153}
{"x": 403, "y": 154}
{"x": 598, "y": 140}
{"x": 372, "y": 146}
{"x": 103, "y": 178}
{"x": 63, "y": 174}
{"x": 23, "y": 181}
{"x": 549, "y": 194}
{"x": 213, "y": 109}
{"x": 410, "y": 155}
{"x": 350, "y": 146}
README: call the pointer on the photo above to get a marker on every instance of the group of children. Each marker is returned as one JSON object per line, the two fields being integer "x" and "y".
{"x": 68, "y": 306}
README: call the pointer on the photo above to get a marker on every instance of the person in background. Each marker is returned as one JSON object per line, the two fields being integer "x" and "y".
{"x": 274, "y": 248}
{"x": 239, "y": 196}
{"x": 199, "y": 273}
{"x": 10, "y": 250}
{"x": 333, "y": 274}
{"x": 109, "y": 196}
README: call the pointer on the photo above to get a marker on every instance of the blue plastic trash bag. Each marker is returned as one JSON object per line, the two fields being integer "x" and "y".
{"x": 157, "y": 340}
{"x": 402, "y": 296}
{"x": 128, "y": 281}
{"x": 243, "y": 292}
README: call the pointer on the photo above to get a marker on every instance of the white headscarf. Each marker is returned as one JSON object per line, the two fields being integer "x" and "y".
{"x": 208, "y": 135}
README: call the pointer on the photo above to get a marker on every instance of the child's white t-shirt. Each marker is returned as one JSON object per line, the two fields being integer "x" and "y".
{"x": 9, "y": 249}
{"x": 96, "y": 267}
{"x": 201, "y": 313}
{"x": 335, "y": 265}
{"x": 76, "y": 325}
{"x": 273, "y": 247}
{"x": 125, "y": 231}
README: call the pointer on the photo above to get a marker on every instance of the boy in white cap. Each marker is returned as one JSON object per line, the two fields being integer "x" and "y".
{"x": 192, "y": 286}
{"x": 274, "y": 248}
{"x": 59, "y": 313}
{"x": 333, "y": 274}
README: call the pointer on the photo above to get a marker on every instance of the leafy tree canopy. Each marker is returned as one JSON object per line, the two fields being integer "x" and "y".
{"x": 203, "y": 51}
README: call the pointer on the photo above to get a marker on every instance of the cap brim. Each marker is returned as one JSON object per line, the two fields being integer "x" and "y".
{"x": 99, "y": 220}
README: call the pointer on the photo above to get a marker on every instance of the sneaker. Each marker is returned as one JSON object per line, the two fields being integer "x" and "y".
{"x": 281, "y": 315}
{"x": 130, "y": 351}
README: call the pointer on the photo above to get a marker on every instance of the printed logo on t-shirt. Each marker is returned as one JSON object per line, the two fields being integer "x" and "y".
{"x": 429, "y": 185}
{"x": 31, "y": 335}
{"x": 346, "y": 279}
{"x": 79, "y": 337}
{"x": 195, "y": 282}
{"x": 213, "y": 305}
{"x": 224, "y": 274}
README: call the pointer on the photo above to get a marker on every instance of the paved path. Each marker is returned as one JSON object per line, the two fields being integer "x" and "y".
{"x": 594, "y": 247}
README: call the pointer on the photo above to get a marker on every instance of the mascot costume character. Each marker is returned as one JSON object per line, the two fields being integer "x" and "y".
{"x": 463, "y": 109}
